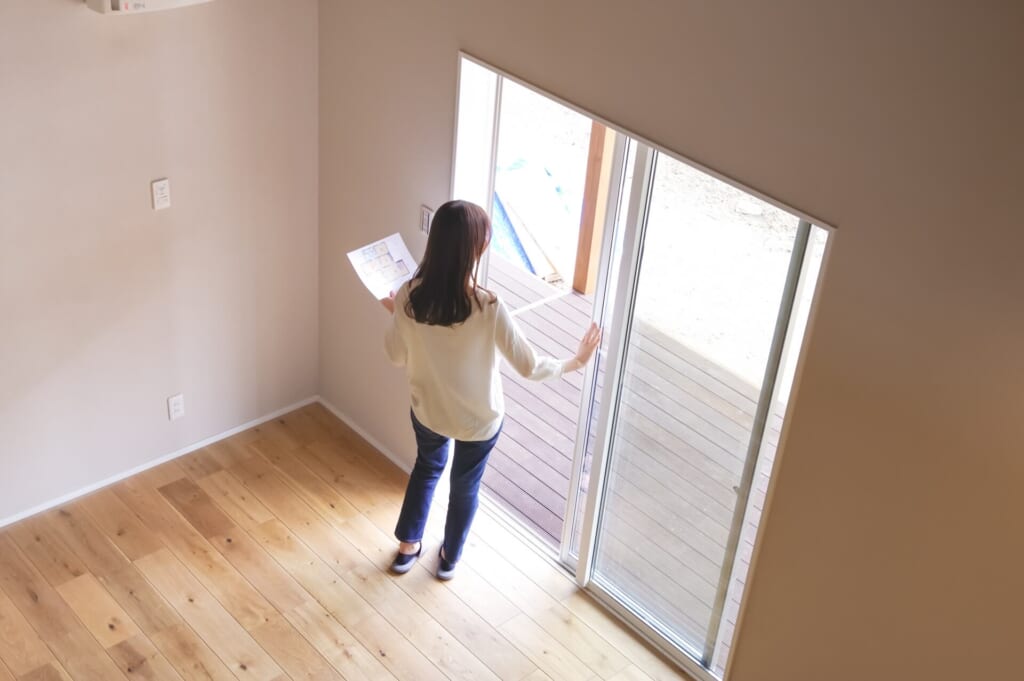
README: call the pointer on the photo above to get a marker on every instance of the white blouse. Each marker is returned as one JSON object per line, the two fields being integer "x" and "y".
{"x": 453, "y": 371}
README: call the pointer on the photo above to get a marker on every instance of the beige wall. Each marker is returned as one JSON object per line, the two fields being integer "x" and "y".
{"x": 893, "y": 546}
{"x": 108, "y": 307}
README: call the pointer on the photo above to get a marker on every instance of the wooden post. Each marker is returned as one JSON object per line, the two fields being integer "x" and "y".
{"x": 595, "y": 203}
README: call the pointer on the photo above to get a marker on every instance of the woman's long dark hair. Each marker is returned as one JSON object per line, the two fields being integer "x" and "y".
{"x": 446, "y": 287}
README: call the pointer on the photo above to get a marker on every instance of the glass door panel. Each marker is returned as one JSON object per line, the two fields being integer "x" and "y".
{"x": 698, "y": 350}
{"x": 473, "y": 167}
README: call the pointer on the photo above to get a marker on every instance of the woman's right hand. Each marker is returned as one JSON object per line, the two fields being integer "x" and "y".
{"x": 588, "y": 344}
{"x": 389, "y": 303}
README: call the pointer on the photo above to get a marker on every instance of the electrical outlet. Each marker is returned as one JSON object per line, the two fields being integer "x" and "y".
{"x": 426, "y": 217}
{"x": 161, "y": 190}
{"x": 175, "y": 407}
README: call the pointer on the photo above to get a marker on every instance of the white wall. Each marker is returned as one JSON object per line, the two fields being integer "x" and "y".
{"x": 107, "y": 307}
{"x": 892, "y": 546}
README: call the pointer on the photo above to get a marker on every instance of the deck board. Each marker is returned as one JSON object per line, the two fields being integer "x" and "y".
{"x": 685, "y": 423}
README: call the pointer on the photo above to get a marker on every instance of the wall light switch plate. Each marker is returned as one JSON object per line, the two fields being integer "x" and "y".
{"x": 161, "y": 193}
{"x": 175, "y": 407}
{"x": 426, "y": 216}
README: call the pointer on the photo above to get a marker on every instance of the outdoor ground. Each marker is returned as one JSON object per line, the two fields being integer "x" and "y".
{"x": 715, "y": 257}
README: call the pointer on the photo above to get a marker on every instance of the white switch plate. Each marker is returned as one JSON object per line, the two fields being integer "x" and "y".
{"x": 161, "y": 193}
{"x": 175, "y": 407}
{"x": 426, "y": 216}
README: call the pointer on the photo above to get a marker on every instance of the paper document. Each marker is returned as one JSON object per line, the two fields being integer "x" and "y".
{"x": 384, "y": 265}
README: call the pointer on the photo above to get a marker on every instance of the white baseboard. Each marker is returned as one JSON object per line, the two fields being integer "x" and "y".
{"x": 402, "y": 463}
{"x": 163, "y": 459}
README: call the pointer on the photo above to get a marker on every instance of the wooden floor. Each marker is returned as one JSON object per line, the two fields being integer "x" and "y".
{"x": 264, "y": 557}
{"x": 684, "y": 428}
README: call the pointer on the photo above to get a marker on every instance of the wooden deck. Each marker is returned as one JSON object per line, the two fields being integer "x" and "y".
{"x": 684, "y": 430}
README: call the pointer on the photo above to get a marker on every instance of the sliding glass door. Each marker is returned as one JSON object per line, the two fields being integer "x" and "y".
{"x": 655, "y": 462}
{"x": 700, "y": 313}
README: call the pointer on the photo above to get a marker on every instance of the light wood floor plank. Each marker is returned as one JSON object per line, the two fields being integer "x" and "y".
{"x": 376, "y": 547}
{"x": 631, "y": 673}
{"x": 314, "y": 490}
{"x": 284, "y": 593}
{"x": 638, "y": 652}
{"x": 345, "y": 605}
{"x": 122, "y": 528}
{"x": 367, "y": 578}
{"x": 49, "y": 556}
{"x": 21, "y": 649}
{"x": 197, "y": 508}
{"x": 408, "y": 664}
{"x": 557, "y": 583}
{"x": 138, "y": 658}
{"x": 265, "y": 557}
{"x": 352, "y": 478}
{"x": 52, "y": 619}
{"x": 493, "y": 649}
{"x": 200, "y": 463}
{"x": 585, "y": 643}
{"x": 274, "y": 431}
{"x": 240, "y": 653}
{"x": 326, "y": 420}
{"x": 337, "y": 644}
{"x": 49, "y": 672}
{"x": 299, "y": 608}
{"x": 262, "y": 479}
{"x": 539, "y": 675}
{"x": 254, "y": 563}
{"x": 509, "y": 573}
{"x": 234, "y": 499}
{"x": 98, "y": 611}
{"x": 161, "y": 475}
{"x": 232, "y": 450}
{"x": 489, "y": 602}
{"x": 293, "y": 652}
{"x": 557, "y": 621}
{"x": 232, "y": 591}
{"x": 457, "y": 618}
{"x": 505, "y": 576}
{"x": 555, "y": 659}
{"x": 117, "y": 574}
{"x": 73, "y": 527}
{"x": 190, "y": 655}
{"x": 525, "y": 573}
{"x": 451, "y": 656}
{"x": 494, "y": 606}
{"x": 304, "y": 427}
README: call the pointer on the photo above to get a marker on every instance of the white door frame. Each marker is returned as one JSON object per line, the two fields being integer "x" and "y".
{"x": 617, "y": 334}
{"x": 602, "y": 316}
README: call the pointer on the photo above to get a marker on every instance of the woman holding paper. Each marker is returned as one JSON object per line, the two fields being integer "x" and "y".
{"x": 449, "y": 334}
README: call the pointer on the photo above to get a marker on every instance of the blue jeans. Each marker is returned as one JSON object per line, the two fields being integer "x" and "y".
{"x": 467, "y": 470}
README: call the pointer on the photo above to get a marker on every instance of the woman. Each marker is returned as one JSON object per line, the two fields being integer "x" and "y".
{"x": 447, "y": 331}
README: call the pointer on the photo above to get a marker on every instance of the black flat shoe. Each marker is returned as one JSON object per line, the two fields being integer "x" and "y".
{"x": 445, "y": 567}
{"x": 403, "y": 562}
